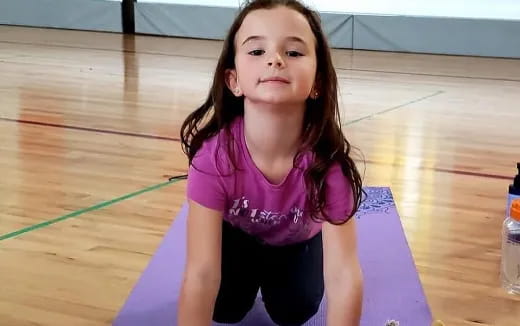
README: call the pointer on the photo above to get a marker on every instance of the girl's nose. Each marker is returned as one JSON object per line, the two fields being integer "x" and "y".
{"x": 276, "y": 60}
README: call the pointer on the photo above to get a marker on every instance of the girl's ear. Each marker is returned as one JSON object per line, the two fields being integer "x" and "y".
{"x": 232, "y": 82}
{"x": 316, "y": 89}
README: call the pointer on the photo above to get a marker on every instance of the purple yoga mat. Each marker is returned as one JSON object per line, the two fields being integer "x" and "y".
{"x": 392, "y": 287}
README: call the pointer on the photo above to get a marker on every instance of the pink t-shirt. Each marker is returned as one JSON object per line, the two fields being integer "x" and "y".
{"x": 274, "y": 213}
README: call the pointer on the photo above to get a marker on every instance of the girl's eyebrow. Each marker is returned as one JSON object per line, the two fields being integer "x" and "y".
{"x": 289, "y": 38}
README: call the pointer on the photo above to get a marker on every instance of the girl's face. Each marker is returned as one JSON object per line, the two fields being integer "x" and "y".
{"x": 275, "y": 58}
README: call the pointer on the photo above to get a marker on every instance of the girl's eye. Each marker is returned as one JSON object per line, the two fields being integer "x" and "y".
{"x": 257, "y": 52}
{"x": 294, "y": 53}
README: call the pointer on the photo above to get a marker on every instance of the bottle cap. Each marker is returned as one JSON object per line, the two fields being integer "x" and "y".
{"x": 515, "y": 209}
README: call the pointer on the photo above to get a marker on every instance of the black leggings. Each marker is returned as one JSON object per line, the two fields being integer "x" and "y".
{"x": 290, "y": 278}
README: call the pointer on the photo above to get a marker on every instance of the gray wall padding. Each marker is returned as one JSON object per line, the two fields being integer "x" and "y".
{"x": 183, "y": 20}
{"x": 95, "y": 15}
{"x": 213, "y": 22}
{"x": 339, "y": 29}
{"x": 437, "y": 35}
{"x": 495, "y": 38}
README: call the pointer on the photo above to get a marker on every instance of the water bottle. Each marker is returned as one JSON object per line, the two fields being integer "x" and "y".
{"x": 514, "y": 189}
{"x": 510, "y": 266}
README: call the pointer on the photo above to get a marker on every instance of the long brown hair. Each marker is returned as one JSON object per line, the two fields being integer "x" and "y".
{"x": 322, "y": 132}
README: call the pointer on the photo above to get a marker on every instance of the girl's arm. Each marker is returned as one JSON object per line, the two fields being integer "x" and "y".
{"x": 203, "y": 265}
{"x": 343, "y": 276}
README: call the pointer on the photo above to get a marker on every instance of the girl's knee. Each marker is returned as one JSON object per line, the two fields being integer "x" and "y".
{"x": 231, "y": 316}
{"x": 232, "y": 311}
{"x": 289, "y": 315}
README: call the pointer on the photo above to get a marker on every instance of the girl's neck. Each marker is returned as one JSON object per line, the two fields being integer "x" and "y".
{"x": 273, "y": 132}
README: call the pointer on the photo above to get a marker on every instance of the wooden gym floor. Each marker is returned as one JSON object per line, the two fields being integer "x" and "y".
{"x": 87, "y": 118}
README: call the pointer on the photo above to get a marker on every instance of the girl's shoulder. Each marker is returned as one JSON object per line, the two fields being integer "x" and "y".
{"x": 224, "y": 138}
{"x": 217, "y": 152}
{"x": 339, "y": 194}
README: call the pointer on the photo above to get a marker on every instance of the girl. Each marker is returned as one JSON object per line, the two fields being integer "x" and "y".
{"x": 271, "y": 186}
